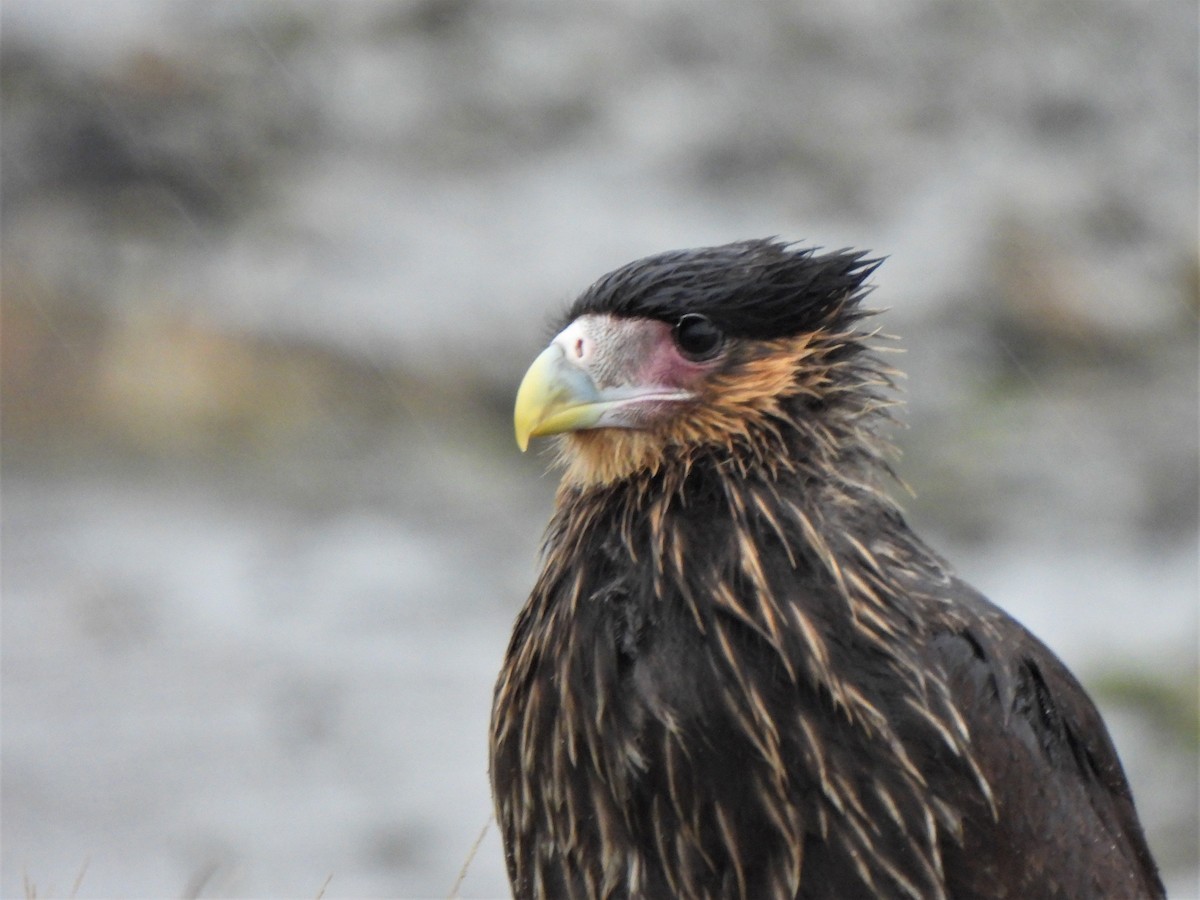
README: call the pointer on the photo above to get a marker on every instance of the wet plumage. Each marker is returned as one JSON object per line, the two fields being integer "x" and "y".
{"x": 739, "y": 673}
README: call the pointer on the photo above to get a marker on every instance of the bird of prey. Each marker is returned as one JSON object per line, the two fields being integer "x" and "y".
{"x": 740, "y": 674}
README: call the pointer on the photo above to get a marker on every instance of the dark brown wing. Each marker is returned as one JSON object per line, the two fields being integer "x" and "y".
{"x": 1064, "y": 823}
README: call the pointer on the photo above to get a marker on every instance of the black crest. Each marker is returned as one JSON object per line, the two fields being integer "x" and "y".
{"x": 758, "y": 289}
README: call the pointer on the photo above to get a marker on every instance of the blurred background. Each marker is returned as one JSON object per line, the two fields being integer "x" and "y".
{"x": 271, "y": 274}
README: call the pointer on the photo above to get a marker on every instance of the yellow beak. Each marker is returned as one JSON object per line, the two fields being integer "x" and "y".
{"x": 555, "y": 396}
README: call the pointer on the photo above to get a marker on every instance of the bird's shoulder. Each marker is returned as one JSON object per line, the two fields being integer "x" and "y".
{"x": 1000, "y": 672}
{"x": 1036, "y": 733}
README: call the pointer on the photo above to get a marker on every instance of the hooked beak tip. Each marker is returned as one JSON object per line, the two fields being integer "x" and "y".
{"x": 554, "y": 396}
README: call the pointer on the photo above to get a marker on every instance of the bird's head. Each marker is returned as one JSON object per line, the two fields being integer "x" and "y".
{"x": 728, "y": 350}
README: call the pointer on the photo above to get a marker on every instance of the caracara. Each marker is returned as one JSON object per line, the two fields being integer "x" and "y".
{"x": 739, "y": 673}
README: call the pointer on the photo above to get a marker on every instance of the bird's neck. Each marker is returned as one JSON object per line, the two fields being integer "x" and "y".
{"x": 710, "y": 518}
{"x": 831, "y": 468}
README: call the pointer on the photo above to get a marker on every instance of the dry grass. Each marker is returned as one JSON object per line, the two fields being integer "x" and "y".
{"x": 462, "y": 873}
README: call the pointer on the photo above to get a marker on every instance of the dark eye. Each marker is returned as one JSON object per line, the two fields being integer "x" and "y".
{"x": 697, "y": 337}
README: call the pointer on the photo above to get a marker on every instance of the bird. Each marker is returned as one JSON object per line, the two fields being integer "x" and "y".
{"x": 739, "y": 673}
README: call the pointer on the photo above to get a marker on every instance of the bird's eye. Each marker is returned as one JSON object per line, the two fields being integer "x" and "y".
{"x": 697, "y": 337}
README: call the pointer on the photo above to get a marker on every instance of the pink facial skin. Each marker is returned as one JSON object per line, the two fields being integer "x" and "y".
{"x": 620, "y": 352}
{"x": 635, "y": 365}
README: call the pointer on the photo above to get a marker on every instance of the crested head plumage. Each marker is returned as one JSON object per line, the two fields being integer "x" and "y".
{"x": 759, "y": 289}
